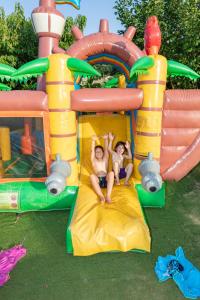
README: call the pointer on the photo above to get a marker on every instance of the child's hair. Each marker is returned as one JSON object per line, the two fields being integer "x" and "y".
{"x": 99, "y": 147}
{"x": 120, "y": 143}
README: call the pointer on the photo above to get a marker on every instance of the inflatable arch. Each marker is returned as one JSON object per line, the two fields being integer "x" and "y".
{"x": 106, "y": 47}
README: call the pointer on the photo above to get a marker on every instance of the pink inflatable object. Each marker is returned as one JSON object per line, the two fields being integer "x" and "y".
{"x": 8, "y": 260}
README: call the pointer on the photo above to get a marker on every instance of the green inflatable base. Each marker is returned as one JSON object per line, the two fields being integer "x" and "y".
{"x": 151, "y": 199}
{"x": 19, "y": 197}
{"x": 69, "y": 245}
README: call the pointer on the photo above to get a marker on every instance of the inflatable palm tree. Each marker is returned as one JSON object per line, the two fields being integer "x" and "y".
{"x": 5, "y": 74}
{"x": 61, "y": 71}
{"x": 151, "y": 73}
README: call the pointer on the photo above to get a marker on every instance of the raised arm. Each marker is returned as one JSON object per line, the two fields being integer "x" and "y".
{"x": 105, "y": 137}
{"x": 111, "y": 138}
{"x": 128, "y": 147}
{"x": 94, "y": 138}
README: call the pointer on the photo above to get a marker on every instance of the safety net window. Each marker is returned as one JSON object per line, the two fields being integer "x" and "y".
{"x": 22, "y": 150}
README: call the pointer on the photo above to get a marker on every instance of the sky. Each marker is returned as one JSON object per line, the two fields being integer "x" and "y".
{"x": 94, "y": 10}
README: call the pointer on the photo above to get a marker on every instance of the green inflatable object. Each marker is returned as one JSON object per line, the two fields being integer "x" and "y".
{"x": 69, "y": 244}
{"x": 81, "y": 68}
{"x": 114, "y": 82}
{"x": 151, "y": 199}
{"x": 175, "y": 68}
{"x": 141, "y": 67}
{"x": 6, "y": 72}
{"x": 22, "y": 197}
{"x": 39, "y": 66}
{"x": 4, "y": 87}
{"x": 31, "y": 69}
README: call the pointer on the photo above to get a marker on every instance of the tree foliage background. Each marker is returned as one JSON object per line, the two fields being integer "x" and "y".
{"x": 19, "y": 43}
{"x": 179, "y": 21}
{"x": 180, "y": 26}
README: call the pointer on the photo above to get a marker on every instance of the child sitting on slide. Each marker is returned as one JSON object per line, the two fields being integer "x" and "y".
{"x": 101, "y": 177}
{"x": 118, "y": 157}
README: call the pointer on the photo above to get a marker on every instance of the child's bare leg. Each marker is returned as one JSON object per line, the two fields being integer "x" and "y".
{"x": 129, "y": 170}
{"x": 110, "y": 182}
{"x": 116, "y": 172}
{"x": 95, "y": 184}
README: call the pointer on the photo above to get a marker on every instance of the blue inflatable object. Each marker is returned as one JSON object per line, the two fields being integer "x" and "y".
{"x": 132, "y": 85}
{"x": 182, "y": 271}
{"x": 77, "y": 86}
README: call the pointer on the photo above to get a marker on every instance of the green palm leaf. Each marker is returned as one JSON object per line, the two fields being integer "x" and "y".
{"x": 31, "y": 69}
{"x": 6, "y": 72}
{"x": 141, "y": 67}
{"x": 114, "y": 82}
{"x": 81, "y": 68}
{"x": 175, "y": 68}
{"x": 4, "y": 87}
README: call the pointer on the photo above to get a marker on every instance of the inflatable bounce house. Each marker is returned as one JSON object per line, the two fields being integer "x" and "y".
{"x": 45, "y": 135}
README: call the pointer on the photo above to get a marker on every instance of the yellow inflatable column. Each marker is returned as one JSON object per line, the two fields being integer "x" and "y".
{"x": 149, "y": 118}
{"x": 5, "y": 143}
{"x": 63, "y": 139}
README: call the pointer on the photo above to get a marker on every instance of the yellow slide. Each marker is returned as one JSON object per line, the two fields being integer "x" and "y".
{"x": 96, "y": 227}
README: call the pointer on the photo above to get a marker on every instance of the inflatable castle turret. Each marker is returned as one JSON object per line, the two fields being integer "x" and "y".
{"x": 48, "y": 24}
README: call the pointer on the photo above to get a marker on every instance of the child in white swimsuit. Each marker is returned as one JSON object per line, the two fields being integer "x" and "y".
{"x": 101, "y": 178}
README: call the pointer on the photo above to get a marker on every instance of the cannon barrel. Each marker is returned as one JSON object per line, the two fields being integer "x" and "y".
{"x": 150, "y": 172}
{"x": 59, "y": 171}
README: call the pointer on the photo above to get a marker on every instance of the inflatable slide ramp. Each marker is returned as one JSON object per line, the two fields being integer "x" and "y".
{"x": 95, "y": 227}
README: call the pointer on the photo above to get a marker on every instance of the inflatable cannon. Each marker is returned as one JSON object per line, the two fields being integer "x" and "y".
{"x": 59, "y": 171}
{"x": 150, "y": 172}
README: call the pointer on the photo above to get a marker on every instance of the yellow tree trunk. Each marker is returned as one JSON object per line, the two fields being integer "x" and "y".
{"x": 63, "y": 136}
{"x": 149, "y": 118}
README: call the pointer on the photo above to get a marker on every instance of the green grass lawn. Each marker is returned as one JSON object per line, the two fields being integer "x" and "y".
{"x": 47, "y": 272}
